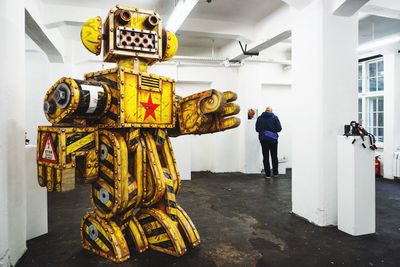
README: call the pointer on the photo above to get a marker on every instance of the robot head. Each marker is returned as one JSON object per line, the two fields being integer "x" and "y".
{"x": 129, "y": 33}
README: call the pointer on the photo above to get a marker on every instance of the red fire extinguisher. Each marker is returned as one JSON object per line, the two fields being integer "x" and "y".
{"x": 377, "y": 166}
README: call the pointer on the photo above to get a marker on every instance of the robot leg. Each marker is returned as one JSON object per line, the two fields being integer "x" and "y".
{"x": 103, "y": 237}
{"x": 114, "y": 196}
{"x": 166, "y": 225}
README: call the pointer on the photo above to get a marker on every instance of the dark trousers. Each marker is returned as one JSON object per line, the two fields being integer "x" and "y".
{"x": 267, "y": 148}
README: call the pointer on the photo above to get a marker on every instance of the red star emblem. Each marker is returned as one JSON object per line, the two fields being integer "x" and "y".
{"x": 150, "y": 108}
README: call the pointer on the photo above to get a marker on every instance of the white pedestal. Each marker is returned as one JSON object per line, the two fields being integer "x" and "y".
{"x": 36, "y": 204}
{"x": 356, "y": 187}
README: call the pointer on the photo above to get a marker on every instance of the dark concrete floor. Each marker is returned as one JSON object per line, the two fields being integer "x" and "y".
{"x": 243, "y": 220}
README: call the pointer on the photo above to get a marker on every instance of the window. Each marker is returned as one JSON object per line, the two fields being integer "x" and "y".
{"x": 360, "y": 78}
{"x": 375, "y": 76}
{"x": 370, "y": 97}
{"x": 375, "y": 117}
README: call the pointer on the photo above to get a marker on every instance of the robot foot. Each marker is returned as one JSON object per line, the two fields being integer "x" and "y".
{"x": 134, "y": 235}
{"x": 187, "y": 227}
{"x": 162, "y": 232}
{"x": 104, "y": 238}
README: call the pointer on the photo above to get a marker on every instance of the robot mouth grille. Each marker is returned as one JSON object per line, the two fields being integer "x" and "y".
{"x": 137, "y": 40}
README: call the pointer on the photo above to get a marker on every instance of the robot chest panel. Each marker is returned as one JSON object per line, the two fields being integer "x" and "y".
{"x": 149, "y": 100}
{"x": 145, "y": 101}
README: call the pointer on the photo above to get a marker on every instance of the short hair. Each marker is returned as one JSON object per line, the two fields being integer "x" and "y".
{"x": 268, "y": 109}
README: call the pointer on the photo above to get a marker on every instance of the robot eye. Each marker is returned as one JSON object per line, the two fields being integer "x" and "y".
{"x": 151, "y": 21}
{"x": 124, "y": 17}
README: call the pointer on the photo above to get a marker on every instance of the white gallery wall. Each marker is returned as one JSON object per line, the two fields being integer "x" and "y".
{"x": 40, "y": 76}
{"x": 12, "y": 126}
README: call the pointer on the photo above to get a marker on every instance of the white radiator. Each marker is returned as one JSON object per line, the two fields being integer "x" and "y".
{"x": 396, "y": 164}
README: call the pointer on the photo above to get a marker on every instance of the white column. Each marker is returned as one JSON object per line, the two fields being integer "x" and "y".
{"x": 12, "y": 124}
{"x": 325, "y": 93}
{"x": 392, "y": 111}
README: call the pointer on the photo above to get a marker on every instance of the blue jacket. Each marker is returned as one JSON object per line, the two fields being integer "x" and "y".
{"x": 268, "y": 121}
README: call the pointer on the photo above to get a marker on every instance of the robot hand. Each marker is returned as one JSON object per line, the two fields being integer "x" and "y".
{"x": 207, "y": 112}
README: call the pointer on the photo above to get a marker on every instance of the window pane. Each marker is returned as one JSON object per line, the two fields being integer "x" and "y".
{"x": 375, "y": 115}
{"x": 380, "y": 133}
{"x": 372, "y": 84}
{"x": 359, "y": 71}
{"x": 380, "y": 84}
{"x": 380, "y": 68}
{"x": 380, "y": 104}
{"x": 360, "y": 86}
{"x": 359, "y": 105}
{"x": 380, "y": 119}
{"x": 372, "y": 69}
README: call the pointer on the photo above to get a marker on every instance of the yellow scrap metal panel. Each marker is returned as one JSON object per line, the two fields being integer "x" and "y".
{"x": 58, "y": 149}
{"x": 131, "y": 97}
{"x": 148, "y": 101}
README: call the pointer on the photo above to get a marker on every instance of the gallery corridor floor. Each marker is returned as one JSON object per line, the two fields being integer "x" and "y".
{"x": 243, "y": 220}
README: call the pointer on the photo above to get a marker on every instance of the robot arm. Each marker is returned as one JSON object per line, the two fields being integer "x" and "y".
{"x": 206, "y": 112}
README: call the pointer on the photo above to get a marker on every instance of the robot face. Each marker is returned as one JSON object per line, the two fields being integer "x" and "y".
{"x": 129, "y": 32}
{"x": 134, "y": 31}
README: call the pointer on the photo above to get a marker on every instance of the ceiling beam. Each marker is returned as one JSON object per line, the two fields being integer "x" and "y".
{"x": 263, "y": 45}
{"x": 179, "y": 14}
{"x": 347, "y": 8}
{"x": 37, "y": 34}
{"x": 298, "y": 4}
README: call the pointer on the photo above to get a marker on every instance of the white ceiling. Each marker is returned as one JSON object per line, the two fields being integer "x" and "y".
{"x": 391, "y": 4}
{"x": 243, "y": 11}
{"x": 376, "y": 27}
{"x": 161, "y": 6}
{"x": 234, "y": 13}
{"x": 107, "y": 3}
{"x": 246, "y": 12}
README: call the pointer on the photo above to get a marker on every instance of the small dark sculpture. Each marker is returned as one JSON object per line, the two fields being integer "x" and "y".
{"x": 355, "y": 129}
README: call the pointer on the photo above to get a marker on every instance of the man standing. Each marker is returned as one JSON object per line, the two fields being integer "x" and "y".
{"x": 268, "y": 126}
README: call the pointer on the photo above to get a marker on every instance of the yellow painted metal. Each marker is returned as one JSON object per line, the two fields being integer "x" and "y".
{"x": 104, "y": 238}
{"x": 207, "y": 112}
{"x": 112, "y": 53}
{"x": 188, "y": 227}
{"x": 155, "y": 172}
{"x": 171, "y": 47}
{"x": 169, "y": 240}
{"x": 91, "y": 33}
{"x": 59, "y": 175}
{"x": 113, "y": 132}
{"x": 138, "y": 235}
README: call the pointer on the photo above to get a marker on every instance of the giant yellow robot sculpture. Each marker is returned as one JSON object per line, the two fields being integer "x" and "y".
{"x": 112, "y": 130}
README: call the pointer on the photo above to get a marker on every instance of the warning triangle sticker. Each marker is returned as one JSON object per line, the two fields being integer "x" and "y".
{"x": 49, "y": 153}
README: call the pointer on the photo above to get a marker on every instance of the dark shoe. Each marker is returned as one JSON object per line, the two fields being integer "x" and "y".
{"x": 267, "y": 177}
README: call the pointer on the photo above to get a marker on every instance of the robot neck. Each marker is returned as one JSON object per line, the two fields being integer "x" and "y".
{"x": 133, "y": 63}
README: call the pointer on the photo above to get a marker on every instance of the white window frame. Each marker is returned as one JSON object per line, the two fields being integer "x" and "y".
{"x": 365, "y": 94}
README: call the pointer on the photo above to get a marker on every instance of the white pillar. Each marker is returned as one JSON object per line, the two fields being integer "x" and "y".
{"x": 325, "y": 93}
{"x": 12, "y": 117}
{"x": 392, "y": 111}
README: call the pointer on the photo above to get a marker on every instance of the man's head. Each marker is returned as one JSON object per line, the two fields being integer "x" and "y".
{"x": 268, "y": 109}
